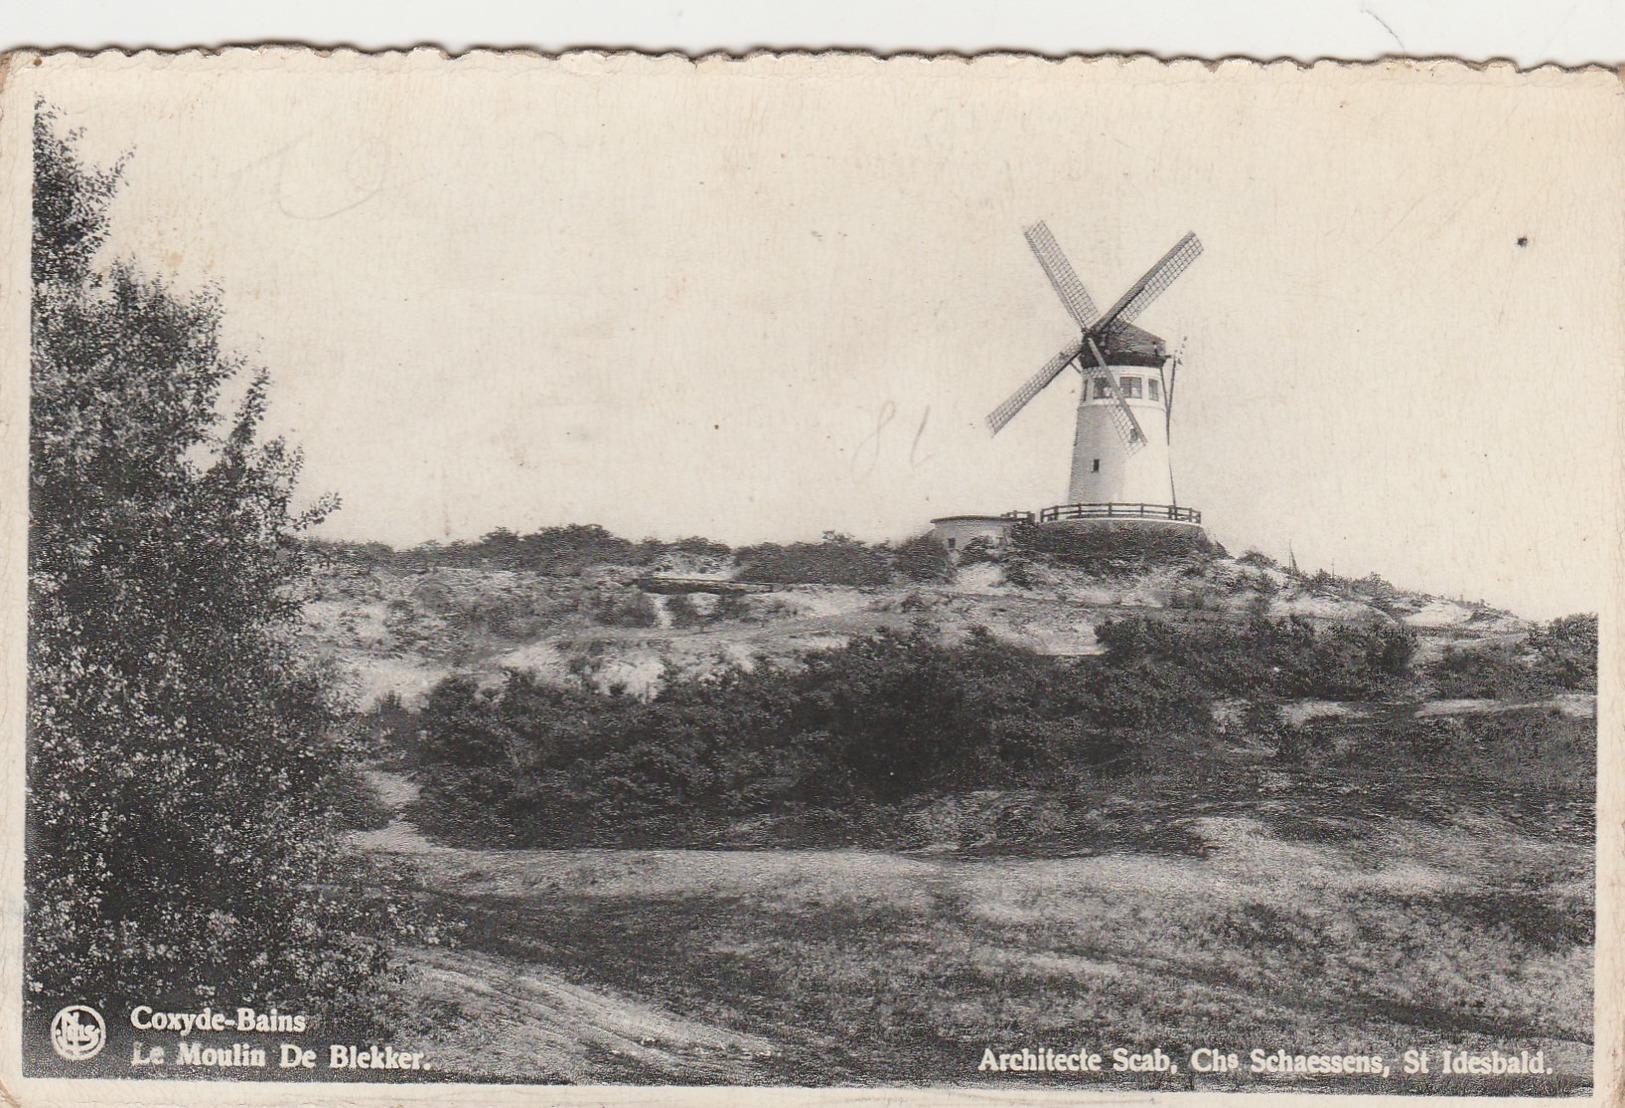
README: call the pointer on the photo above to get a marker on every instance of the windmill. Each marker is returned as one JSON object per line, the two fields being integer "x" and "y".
{"x": 1120, "y": 461}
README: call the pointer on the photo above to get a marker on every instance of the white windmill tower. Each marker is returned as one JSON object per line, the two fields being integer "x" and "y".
{"x": 1120, "y": 462}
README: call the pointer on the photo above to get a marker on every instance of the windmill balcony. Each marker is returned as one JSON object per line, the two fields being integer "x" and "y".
{"x": 1062, "y": 513}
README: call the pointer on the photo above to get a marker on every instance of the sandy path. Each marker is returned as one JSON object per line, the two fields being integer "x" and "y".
{"x": 514, "y": 1018}
{"x": 499, "y": 1016}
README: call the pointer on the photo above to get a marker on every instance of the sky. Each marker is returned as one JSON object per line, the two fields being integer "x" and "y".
{"x": 761, "y": 300}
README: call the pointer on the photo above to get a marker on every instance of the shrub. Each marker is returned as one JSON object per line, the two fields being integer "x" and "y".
{"x": 1018, "y": 569}
{"x": 731, "y": 605}
{"x": 623, "y": 608}
{"x": 683, "y": 611}
{"x": 353, "y": 803}
{"x": 1567, "y": 652}
{"x": 837, "y": 560}
{"x": 1111, "y": 552}
{"x": 1530, "y": 752}
{"x": 1372, "y": 588}
{"x": 1281, "y": 658}
{"x": 1494, "y": 671}
{"x": 652, "y": 550}
{"x": 563, "y": 551}
{"x": 979, "y": 549}
{"x": 386, "y": 726}
{"x": 1559, "y": 657}
{"x": 923, "y": 558}
{"x": 1196, "y": 597}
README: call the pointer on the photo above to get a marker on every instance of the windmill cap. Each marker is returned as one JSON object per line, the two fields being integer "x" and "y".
{"x": 1127, "y": 344}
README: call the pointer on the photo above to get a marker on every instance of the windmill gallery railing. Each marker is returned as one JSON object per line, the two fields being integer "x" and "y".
{"x": 1119, "y": 511}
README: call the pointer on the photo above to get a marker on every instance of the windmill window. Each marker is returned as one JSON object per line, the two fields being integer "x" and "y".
{"x": 1097, "y": 466}
{"x": 1102, "y": 389}
{"x": 1151, "y": 389}
{"x": 951, "y": 542}
{"x": 1131, "y": 386}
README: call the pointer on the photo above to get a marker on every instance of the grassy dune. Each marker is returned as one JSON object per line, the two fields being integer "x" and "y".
{"x": 1270, "y": 926}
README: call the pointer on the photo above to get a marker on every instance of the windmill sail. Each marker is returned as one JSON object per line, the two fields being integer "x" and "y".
{"x": 1153, "y": 284}
{"x": 1062, "y": 278}
{"x": 1036, "y": 384}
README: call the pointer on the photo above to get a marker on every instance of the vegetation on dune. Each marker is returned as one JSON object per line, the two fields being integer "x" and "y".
{"x": 569, "y": 551}
{"x": 874, "y": 723}
{"x": 1268, "y": 658}
{"x": 1109, "y": 551}
{"x": 836, "y": 743}
{"x": 183, "y": 776}
{"x": 837, "y": 560}
{"x": 618, "y": 607}
{"x": 1558, "y": 657}
{"x": 559, "y": 551}
{"x": 840, "y": 559}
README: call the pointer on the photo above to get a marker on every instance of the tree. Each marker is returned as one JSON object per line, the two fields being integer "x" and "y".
{"x": 181, "y": 760}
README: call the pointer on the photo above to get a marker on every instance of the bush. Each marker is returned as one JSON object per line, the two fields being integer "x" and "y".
{"x": 1559, "y": 657}
{"x": 1279, "y": 658}
{"x": 652, "y": 550}
{"x": 385, "y": 727}
{"x": 623, "y": 608}
{"x": 1371, "y": 589}
{"x": 837, "y": 560}
{"x": 683, "y": 611}
{"x": 1114, "y": 552}
{"x": 730, "y": 605}
{"x": 923, "y": 558}
{"x": 1487, "y": 672}
{"x": 979, "y": 549}
{"x": 1566, "y": 650}
{"x": 1194, "y": 597}
{"x": 1530, "y": 752}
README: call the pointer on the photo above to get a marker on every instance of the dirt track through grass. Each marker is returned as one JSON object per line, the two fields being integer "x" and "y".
{"x": 851, "y": 966}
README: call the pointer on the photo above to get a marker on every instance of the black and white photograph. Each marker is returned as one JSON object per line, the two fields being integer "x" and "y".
{"x": 562, "y": 579}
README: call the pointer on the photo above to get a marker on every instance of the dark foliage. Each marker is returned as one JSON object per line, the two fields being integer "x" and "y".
{"x": 558, "y": 551}
{"x": 923, "y": 558}
{"x": 1566, "y": 652}
{"x": 979, "y": 549}
{"x": 837, "y": 560}
{"x": 1110, "y": 552}
{"x": 878, "y": 722}
{"x": 621, "y": 607}
{"x": 1559, "y": 657}
{"x": 683, "y": 611}
{"x": 1269, "y": 658}
{"x": 568, "y": 551}
{"x": 1372, "y": 589}
{"x": 686, "y": 611}
{"x": 1533, "y": 752}
{"x": 182, "y": 776}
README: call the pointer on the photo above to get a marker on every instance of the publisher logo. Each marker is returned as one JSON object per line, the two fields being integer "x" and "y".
{"x": 78, "y": 1033}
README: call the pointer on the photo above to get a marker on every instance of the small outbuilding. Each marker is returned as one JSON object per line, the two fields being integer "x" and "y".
{"x": 954, "y": 532}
